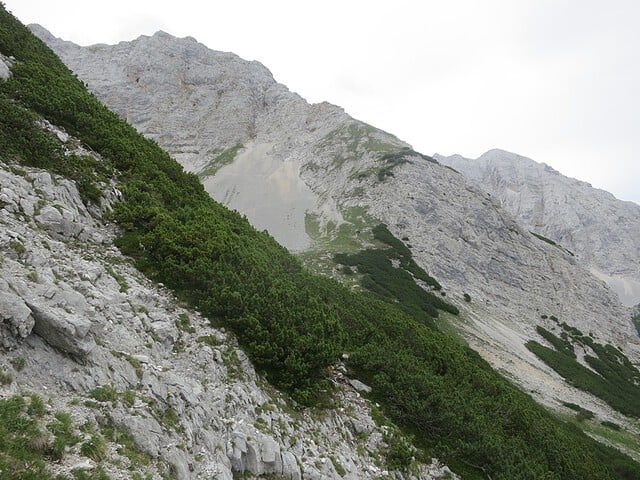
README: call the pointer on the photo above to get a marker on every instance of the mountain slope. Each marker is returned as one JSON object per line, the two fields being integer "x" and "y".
{"x": 343, "y": 176}
{"x": 441, "y": 391}
{"x": 134, "y": 385}
{"x": 150, "y": 387}
{"x": 603, "y": 232}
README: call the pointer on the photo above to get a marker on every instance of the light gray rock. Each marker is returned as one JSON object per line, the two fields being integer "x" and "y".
{"x": 602, "y": 231}
{"x": 359, "y": 386}
{"x": 5, "y": 67}
{"x": 290, "y": 467}
{"x": 85, "y": 465}
{"x": 59, "y": 222}
{"x": 68, "y": 333}
{"x": 146, "y": 431}
{"x": 16, "y": 321}
{"x": 165, "y": 331}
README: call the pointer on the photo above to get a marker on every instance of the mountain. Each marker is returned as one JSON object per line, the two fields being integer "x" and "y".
{"x": 302, "y": 332}
{"x": 318, "y": 180}
{"x": 602, "y": 232}
{"x": 105, "y": 374}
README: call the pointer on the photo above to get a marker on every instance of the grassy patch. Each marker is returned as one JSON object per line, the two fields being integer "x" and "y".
{"x": 614, "y": 378}
{"x": 391, "y": 274}
{"x": 219, "y": 161}
{"x": 105, "y": 393}
{"x": 30, "y": 439}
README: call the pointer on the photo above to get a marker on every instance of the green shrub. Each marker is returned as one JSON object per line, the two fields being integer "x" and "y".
{"x": 583, "y": 415}
{"x": 18, "y": 363}
{"x": 105, "y": 393}
{"x": 611, "y": 425}
{"x": 393, "y": 284}
{"x": 184, "y": 324}
{"x": 95, "y": 448}
{"x": 210, "y": 340}
{"x": 5, "y": 377}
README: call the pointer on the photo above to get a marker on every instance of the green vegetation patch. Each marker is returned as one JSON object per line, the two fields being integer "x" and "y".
{"x": 614, "y": 378}
{"x": 225, "y": 158}
{"x": 391, "y": 274}
{"x": 393, "y": 159}
{"x": 30, "y": 439}
{"x": 551, "y": 242}
{"x": 636, "y": 320}
{"x": 560, "y": 344}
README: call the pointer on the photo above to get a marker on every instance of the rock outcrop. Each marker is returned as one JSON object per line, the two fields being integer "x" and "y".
{"x": 84, "y": 330}
{"x": 5, "y": 67}
{"x": 602, "y": 231}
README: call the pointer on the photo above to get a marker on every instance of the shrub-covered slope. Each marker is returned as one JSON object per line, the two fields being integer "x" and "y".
{"x": 292, "y": 324}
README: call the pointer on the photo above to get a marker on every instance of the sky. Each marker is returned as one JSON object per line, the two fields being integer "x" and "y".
{"x": 557, "y": 81}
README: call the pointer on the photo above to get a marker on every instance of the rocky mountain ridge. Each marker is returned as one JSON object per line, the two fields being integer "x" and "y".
{"x": 259, "y": 146}
{"x": 165, "y": 394}
{"x": 603, "y": 232}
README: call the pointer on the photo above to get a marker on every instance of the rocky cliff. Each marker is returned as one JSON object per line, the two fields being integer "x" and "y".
{"x": 602, "y": 231}
{"x": 149, "y": 388}
{"x": 318, "y": 180}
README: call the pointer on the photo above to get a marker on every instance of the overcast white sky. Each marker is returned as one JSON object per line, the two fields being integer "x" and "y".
{"x": 554, "y": 80}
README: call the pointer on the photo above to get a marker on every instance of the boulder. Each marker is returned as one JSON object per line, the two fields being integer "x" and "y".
{"x": 68, "y": 333}
{"x": 16, "y": 321}
{"x": 59, "y": 222}
{"x": 359, "y": 386}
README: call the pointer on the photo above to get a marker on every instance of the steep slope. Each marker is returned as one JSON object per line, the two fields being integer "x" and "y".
{"x": 603, "y": 232}
{"x": 291, "y": 322}
{"x": 349, "y": 176}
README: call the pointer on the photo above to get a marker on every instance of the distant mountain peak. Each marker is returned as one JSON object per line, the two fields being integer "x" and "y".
{"x": 602, "y": 231}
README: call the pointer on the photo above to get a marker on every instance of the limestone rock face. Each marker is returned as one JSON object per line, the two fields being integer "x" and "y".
{"x": 330, "y": 177}
{"x": 5, "y": 67}
{"x": 17, "y": 321}
{"x": 223, "y": 118}
{"x": 602, "y": 231}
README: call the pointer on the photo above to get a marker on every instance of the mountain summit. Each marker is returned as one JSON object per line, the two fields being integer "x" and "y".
{"x": 602, "y": 231}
